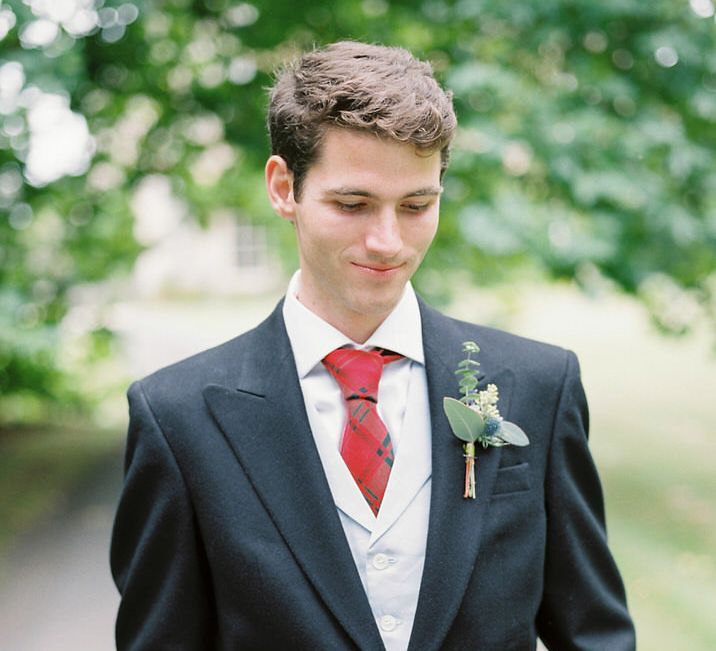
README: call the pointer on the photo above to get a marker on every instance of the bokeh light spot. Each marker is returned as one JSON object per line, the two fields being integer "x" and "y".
{"x": 7, "y": 21}
{"x": 622, "y": 59}
{"x": 60, "y": 143}
{"x": 666, "y": 56}
{"x": 127, "y": 14}
{"x": 595, "y": 42}
{"x": 517, "y": 158}
{"x": 242, "y": 70}
{"x": 702, "y": 8}
{"x": 114, "y": 33}
{"x": 624, "y": 106}
{"x": 39, "y": 33}
{"x": 242, "y": 15}
{"x": 20, "y": 216}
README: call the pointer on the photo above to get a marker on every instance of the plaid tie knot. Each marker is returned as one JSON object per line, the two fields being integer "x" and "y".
{"x": 357, "y": 372}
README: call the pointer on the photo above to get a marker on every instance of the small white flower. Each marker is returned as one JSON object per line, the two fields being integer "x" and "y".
{"x": 485, "y": 402}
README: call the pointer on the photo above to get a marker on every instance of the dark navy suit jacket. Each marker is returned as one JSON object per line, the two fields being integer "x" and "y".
{"x": 226, "y": 536}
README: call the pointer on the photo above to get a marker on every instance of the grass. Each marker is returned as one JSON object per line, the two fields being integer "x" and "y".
{"x": 662, "y": 524}
{"x": 40, "y": 465}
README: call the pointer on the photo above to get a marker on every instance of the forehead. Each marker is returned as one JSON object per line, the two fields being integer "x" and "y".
{"x": 364, "y": 158}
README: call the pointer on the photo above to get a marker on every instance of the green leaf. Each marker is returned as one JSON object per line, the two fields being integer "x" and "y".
{"x": 470, "y": 347}
{"x": 468, "y": 362}
{"x": 468, "y": 383}
{"x": 466, "y": 424}
{"x": 512, "y": 434}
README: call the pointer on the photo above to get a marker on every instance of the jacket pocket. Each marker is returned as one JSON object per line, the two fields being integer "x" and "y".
{"x": 512, "y": 479}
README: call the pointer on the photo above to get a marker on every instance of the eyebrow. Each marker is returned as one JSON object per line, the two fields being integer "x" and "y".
{"x": 430, "y": 191}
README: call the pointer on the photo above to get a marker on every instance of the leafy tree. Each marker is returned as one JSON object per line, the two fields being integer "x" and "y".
{"x": 585, "y": 149}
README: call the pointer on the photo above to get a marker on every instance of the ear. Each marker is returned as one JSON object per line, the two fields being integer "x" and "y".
{"x": 279, "y": 186}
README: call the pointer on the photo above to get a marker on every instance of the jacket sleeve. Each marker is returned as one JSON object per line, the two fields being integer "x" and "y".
{"x": 584, "y": 604}
{"x": 157, "y": 558}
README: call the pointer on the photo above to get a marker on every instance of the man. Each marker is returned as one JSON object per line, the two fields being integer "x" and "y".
{"x": 276, "y": 499}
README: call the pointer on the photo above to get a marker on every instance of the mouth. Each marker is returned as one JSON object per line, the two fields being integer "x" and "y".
{"x": 378, "y": 269}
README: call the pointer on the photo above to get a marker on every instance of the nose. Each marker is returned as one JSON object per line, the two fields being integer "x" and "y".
{"x": 383, "y": 237}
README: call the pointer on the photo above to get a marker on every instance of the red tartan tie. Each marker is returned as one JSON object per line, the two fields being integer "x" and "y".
{"x": 366, "y": 446}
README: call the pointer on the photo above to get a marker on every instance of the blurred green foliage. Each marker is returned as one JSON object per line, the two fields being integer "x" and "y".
{"x": 585, "y": 150}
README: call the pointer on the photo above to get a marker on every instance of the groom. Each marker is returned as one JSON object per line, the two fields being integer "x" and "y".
{"x": 300, "y": 487}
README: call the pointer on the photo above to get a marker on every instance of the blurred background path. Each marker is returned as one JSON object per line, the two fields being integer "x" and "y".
{"x": 56, "y": 593}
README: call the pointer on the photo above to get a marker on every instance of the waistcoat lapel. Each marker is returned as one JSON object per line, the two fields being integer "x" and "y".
{"x": 413, "y": 459}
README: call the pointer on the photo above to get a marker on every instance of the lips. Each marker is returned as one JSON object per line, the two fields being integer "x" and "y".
{"x": 377, "y": 268}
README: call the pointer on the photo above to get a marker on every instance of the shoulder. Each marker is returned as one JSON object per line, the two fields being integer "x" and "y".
{"x": 225, "y": 364}
{"x": 501, "y": 348}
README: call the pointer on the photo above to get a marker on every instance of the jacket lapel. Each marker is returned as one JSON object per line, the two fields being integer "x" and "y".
{"x": 265, "y": 422}
{"x": 455, "y": 523}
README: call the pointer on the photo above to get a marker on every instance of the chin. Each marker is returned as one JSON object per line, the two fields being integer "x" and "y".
{"x": 376, "y": 307}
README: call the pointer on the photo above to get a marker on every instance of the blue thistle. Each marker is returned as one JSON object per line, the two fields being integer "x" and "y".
{"x": 492, "y": 426}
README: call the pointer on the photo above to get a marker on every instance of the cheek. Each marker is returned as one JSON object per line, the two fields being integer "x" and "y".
{"x": 422, "y": 233}
{"x": 338, "y": 235}
{"x": 326, "y": 244}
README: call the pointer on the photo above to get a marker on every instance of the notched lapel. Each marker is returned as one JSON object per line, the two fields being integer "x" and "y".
{"x": 455, "y": 522}
{"x": 271, "y": 438}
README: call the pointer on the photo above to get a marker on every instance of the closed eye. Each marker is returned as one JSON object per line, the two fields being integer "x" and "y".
{"x": 350, "y": 207}
{"x": 416, "y": 207}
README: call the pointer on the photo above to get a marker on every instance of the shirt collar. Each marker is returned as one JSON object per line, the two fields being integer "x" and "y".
{"x": 312, "y": 338}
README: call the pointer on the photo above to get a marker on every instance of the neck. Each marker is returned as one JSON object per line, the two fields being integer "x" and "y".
{"x": 356, "y": 326}
{"x": 355, "y": 330}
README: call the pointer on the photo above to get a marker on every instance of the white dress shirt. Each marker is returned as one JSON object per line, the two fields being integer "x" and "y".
{"x": 389, "y": 551}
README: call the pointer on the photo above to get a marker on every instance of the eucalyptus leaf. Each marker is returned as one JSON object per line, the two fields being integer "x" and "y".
{"x": 468, "y": 362}
{"x": 466, "y": 424}
{"x": 467, "y": 384}
{"x": 512, "y": 434}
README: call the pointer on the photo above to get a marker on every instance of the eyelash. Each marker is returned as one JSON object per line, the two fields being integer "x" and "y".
{"x": 350, "y": 207}
{"x": 355, "y": 207}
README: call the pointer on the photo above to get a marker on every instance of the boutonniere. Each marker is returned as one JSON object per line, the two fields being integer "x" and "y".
{"x": 475, "y": 418}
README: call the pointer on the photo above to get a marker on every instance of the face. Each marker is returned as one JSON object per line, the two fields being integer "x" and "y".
{"x": 367, "y": 214}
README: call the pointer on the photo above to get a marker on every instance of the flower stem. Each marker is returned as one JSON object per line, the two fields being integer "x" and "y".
{"x": 469, "y": 471}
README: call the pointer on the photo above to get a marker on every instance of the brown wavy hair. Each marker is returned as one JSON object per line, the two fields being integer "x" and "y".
{"x": 351, "y": 85}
